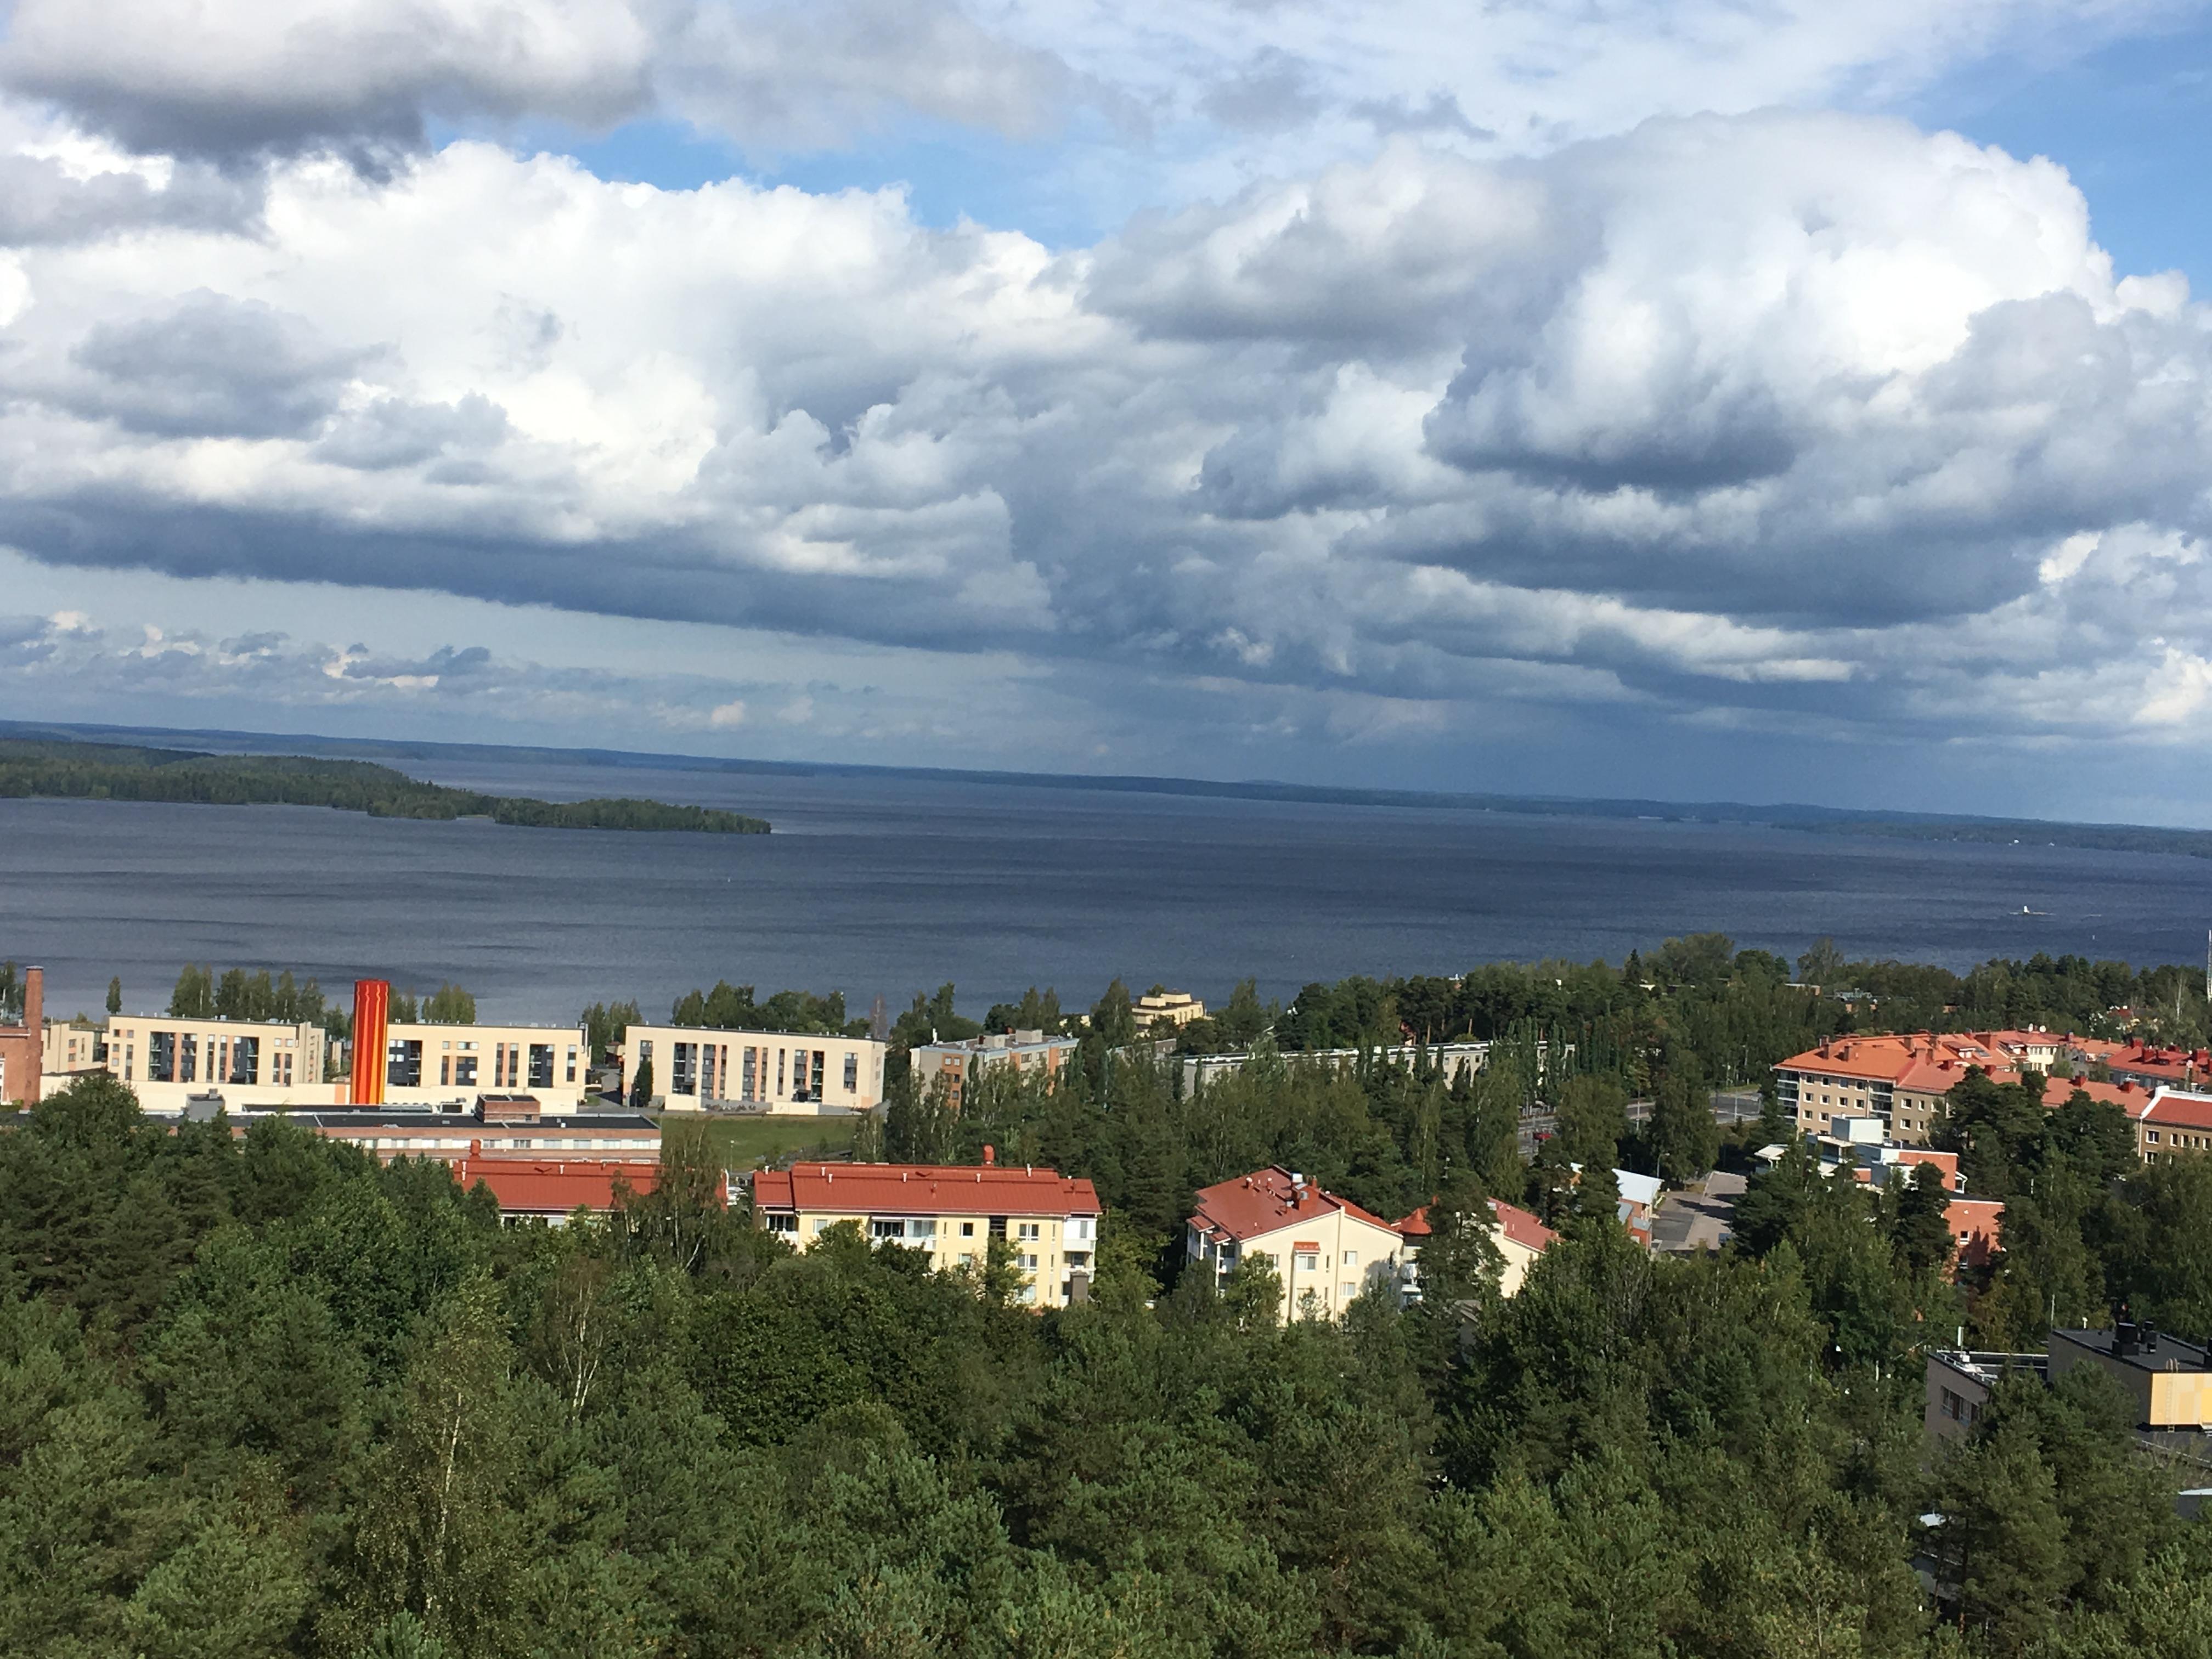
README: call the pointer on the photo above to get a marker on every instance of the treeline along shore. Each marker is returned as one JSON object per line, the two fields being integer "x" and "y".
{"x": 79, "y": 771}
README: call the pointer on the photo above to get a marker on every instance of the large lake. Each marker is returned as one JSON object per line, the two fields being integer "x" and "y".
{"x": 889, "y": 885}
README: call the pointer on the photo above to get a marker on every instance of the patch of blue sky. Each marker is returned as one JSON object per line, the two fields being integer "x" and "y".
{"x": 2132, "y": 123}
{"x": 1066, "y": 192}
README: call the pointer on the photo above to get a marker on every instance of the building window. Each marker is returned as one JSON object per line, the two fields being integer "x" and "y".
{"x": 683, "y": 1070}
{"x": 1310, "y": 1261}
{"x": 403, "y": 1064}
{"x": 707, "y": 1071}
{"x": 161, "y": 1058}
{"x": 1347, "y": 1290}
{"x": 1351, "y": 1258}
{"x": 886, "y": 1229}
{"x": 748, "y": 1075}
{"x": 541, "y": 1066}
{"x": 464, "y": 1071}
{"x": 246, "y": 1060}
{"x": 572, "y": 1062}
{"x": 852, "y": 1074}
{"x": 780, "y": 1055}
{"x": 782, "y": 1224}
{"x": 188, "y": 1051}
{"x": 1031, "y": 1229}
{"x": 966, "y": 1229}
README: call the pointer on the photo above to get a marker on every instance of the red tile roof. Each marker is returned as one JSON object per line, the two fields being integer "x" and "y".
{"x": 1522, "y": 1228}
{"x": 1264, "y": 1200}
{"x": 2172, "y": 1109}
{"x": 2128, "y": 1096}
{"x": 922, "y": 1189}
{"x": 546, "y": 1187}
{"x": 1514, "y": 1222}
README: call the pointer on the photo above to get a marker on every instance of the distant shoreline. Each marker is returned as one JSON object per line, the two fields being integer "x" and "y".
{"x": 53, "y": 768}
{"x": 1824, "y": 820}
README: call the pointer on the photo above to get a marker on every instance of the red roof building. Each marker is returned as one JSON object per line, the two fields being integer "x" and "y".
{"x": 1325, "y": 1250}
{"x": 1977, "y": 1227}
{"x": 553, "y": 1190}
{"x": 1049, "y": 1221}
{"x": 2157, "y": 1067}
{"x": 2171, "y": 1122}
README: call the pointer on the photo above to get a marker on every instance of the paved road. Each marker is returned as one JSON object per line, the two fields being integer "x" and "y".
{"x": 1698, "y": 1218}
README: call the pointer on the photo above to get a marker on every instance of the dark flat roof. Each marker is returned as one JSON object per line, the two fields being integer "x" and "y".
{"x": 369, "y": 1118}
{"x": 2172, "y": 1354}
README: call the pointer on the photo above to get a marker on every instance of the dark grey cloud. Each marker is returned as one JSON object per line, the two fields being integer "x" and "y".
{"x": 1274, "y": 91}
{"x": 255, "y": 78}
{"x": 41, "y": 202}
{"x": 212, "y": 367}
{"x": 1716, "y": 435}
{"x": 395, "y": 432}
{"x": 1439, "y": 112}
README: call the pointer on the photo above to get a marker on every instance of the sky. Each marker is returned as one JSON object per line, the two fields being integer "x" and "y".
{"x": 1697, "y": 400}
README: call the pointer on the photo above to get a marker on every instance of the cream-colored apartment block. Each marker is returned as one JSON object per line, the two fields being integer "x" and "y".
{"x": 695, "y": 1068}
{"x": 1325, "y": 1250}
{"x": 1156, "y": 1008}
{"x": 449, "y": 1065}
{"x": 70, "y": 1051}
{"x": 249, "y": 1063}
{"x": 1049, "y": 1221}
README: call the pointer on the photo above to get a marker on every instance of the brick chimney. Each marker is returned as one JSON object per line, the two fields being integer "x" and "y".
{"x": 34, "y": 1006}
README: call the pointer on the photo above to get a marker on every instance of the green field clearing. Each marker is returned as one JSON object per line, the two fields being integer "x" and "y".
{"x": 746, "y": 1141}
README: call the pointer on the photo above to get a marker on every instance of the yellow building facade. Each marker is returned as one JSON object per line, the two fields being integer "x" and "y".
{"x": 1049, "y": 1221}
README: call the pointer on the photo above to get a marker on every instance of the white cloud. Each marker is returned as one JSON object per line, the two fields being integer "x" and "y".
{"x": 1790, "y": 417}
{"x": 1199, "y": 94}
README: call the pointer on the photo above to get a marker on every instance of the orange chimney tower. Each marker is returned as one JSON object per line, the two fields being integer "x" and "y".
{"x": 372, "y": 1014}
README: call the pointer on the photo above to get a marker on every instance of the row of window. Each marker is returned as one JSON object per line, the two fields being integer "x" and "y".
{"x": 702, "y": 1070}
{"x": 402, "y": 1065}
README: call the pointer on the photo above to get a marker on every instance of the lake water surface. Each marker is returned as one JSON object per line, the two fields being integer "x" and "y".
{"x": 890, "y": 884}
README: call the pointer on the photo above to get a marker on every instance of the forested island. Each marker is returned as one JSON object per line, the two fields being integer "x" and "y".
{"x": 84, "y": 771}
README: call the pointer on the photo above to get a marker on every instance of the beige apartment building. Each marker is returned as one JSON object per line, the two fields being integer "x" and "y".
{"x": 957, "y": 1062}
{"x": 1159, "y": 1008}
{"x": 952, "y": 1213}
{"x": 695, "y": 1068}
{"x": 71, "y": 1050}
{"x": 448, "y": 1067}
{"x": 247, "y": 1063}
{"x": 1325, "y": 1249}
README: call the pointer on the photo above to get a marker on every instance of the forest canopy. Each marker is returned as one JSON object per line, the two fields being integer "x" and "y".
{"x": 263, "y": 1397}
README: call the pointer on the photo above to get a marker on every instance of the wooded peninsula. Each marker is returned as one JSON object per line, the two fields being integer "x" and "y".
{"x": 84, "y": 771}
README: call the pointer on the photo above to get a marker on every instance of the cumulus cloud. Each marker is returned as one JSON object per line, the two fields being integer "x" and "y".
{"x": 209, "y": 366}
{"x": 362, "y": 76}
{"x": 1237, "y": 85}
{"x": 1808, "y": 417}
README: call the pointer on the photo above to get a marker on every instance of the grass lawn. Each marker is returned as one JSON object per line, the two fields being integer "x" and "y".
{"x": 744, "y": 1142}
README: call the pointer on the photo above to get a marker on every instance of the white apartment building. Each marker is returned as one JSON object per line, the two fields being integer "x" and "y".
{"x": 248, "y": 1063}
{"x": 697, "y": 1068}
{"x": 449, "y": 1065}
